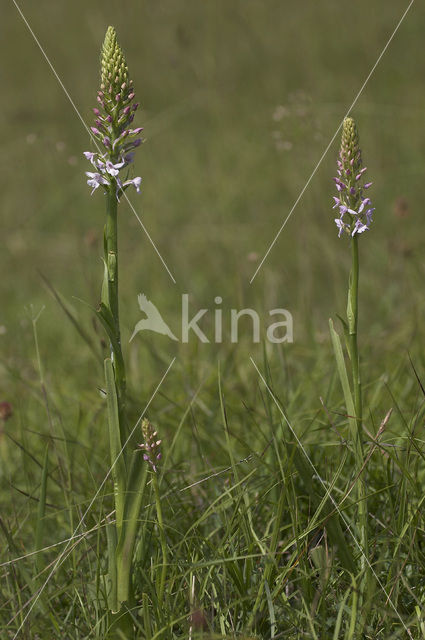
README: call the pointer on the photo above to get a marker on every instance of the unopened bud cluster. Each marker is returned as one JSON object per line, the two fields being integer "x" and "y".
{"x": 113, "y": 121}
{"x": 355, "y": 208}
{"x": 151, "y": 444}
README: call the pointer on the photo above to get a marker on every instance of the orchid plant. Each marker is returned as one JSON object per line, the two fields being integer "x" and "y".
{"x": 115, "y": 141}
{"x": 355, "y": 217}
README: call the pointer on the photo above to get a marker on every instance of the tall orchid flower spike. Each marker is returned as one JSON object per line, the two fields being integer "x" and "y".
{"x": 355, "y": 208}
{"x": 355, "y": 217}
{"x": 116, "y": 141}
{"x": 114, "y": 116}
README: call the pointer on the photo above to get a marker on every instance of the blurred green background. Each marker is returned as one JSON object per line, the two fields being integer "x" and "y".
{"x": 240, "y": 99}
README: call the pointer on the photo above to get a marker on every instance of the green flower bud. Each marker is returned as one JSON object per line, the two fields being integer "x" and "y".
{"x": 114, "y": 70}
{"x": 350, "y": 145}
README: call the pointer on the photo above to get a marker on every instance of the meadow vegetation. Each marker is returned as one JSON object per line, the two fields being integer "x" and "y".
{"x": 239, "y": 100}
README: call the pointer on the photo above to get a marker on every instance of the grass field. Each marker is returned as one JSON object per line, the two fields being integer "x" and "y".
{"x": 240, "y": 100}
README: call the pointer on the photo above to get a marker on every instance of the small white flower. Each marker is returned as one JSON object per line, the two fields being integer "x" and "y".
{"x": 95, "y": 180}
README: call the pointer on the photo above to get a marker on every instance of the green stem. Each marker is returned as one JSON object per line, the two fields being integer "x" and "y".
{"x": 352, "y": 316}
{"x": 120, "y": 619}
{"x": 111, "y": 260}
{"x": 111, "y": 257}
{"x": 160, "y": 591}
{"x": 352, "y": 313}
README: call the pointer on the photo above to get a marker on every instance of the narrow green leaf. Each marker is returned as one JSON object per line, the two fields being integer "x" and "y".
{"x": 273, "y": 627}
{"x": 338, "y": 621}
{"x": 108, "y": 323}
{"x": 146, "y": 616}
{"x": 342, "y": 371}
{"x": 346, "y": 331}
{"x": 111, "y": 537}
{"x": 39, "y": 529}
{"x": 353, "y": 618}
{"x": 130, "y": 526}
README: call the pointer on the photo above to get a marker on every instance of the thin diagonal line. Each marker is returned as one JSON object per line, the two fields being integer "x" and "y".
{"x": 329, "y": 494}
{"x": 102, "y": 523}
{"x": 57, "y": 544}
{"x": 61, "y": 558}
{"x": 331, "y": 142}
{"x": 46, "y": 57}
{"x": 94, "y": 529}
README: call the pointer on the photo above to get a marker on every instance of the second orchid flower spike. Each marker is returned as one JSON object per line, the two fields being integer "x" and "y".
{"x": 151, "y": 444}
{"x": 355, "y": 208}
